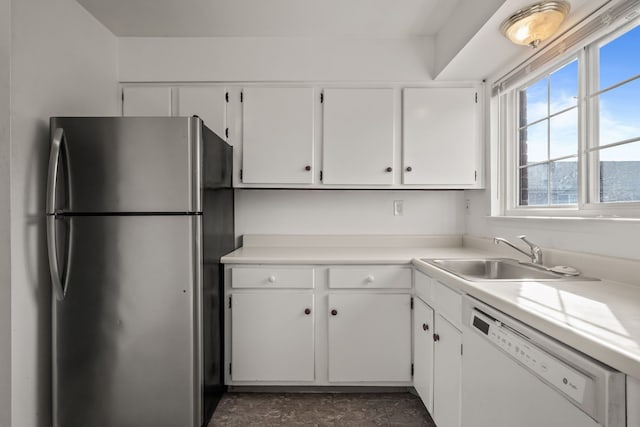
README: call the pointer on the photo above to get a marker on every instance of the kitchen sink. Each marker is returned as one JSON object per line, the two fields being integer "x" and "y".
{"x": 499, "y": 269}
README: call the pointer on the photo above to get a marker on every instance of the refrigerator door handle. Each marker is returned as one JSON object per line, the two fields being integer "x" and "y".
{"x": 59, "y": 288}
{"x": 58, "y": 282}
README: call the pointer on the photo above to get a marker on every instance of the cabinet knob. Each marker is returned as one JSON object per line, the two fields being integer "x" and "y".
{"x": 307, "y": 168}
{"x": 307, "y": 311}
{"x": 334, "y": 312}
{"x": 369, "y": 279}
{"x": 425, "y": 327}
{"x": 409, "y": 169}
{"x": 436, "y": 337}
{"x": 389, "y": 169}
{"x": 272, "y": 279}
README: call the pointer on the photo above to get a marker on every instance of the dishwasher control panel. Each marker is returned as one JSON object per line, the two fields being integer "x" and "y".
{"x": 552, "y": 370}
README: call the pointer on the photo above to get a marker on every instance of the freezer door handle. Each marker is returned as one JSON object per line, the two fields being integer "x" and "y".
{"x": 57, "y": 280}
{"x": 57, "y": 139}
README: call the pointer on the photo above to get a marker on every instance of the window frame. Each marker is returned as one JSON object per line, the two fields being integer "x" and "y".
{"x": 508, "y": 125}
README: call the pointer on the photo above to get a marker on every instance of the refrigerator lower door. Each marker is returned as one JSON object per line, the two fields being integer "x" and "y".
{"x": 126, "y": 338}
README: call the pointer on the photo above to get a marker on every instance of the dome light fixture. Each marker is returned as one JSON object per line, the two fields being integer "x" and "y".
{"x": 535, "y": 23}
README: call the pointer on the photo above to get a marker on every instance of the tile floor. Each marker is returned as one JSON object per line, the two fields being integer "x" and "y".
{"x": 320, "y": 409}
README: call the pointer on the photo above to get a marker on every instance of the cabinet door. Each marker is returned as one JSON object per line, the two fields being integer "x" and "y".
{"x": 358, "y": 136}
{"x": 633, "y": 397}
{"x": 272, "y": 337}
{"x": 207, "y": 102}
{"x": 146, "y": 101}
{"x": 277, "y": 139}
{"x": 447, "y": 388}
{"x": 440, "y": 136}
{"x": 369, "y": 337}
{"x": 423, "y": 352}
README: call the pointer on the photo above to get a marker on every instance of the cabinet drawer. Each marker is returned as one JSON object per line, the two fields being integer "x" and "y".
{"x": 268, "y": 277}
{"x": 370, "y": 277}
{"x": 424, "y": 287}
{"x": 448, "y": 302}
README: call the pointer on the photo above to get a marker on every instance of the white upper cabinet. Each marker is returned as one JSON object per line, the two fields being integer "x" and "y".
{"x": 146, "y": 101}
{"x": 277, "y": 135}
{"x": 274, "y": 132}
{"x": 207, "y": 102}
{"x": 358, "y": 136}
{"x": 440, "y": 136}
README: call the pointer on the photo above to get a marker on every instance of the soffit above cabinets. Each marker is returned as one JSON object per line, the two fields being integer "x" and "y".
{"x": 272, "y": 18}
{"x": 467, "y": 43}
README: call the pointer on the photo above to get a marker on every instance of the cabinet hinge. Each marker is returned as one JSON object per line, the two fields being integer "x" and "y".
{"x": 476, "y": 97}
{"x": 241, "y": 96}
{"x": 240, "y": 174}
{"x": 226, "y": 96}
{"x": 229, "y": 302}
{"x": 320, "y": 175}
{"x": 411, "y": 303}
{"x": 226, "y": 132}
{"x": 412, "y": 369}
{"x": 321, "y": 97}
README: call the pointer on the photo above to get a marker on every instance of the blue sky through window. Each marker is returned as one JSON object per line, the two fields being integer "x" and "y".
{"x": 619, "y": 108}
{"x": 620, "y": 59}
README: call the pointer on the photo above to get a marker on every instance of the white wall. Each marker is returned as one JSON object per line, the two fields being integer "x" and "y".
{"x": 64, "y": 63}
{"x": 244, "y": 59}
{"x": 348, "y": 212}
{"x": 5, "y": 242}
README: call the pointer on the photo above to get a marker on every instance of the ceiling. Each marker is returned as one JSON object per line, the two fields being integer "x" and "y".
{"x": 272, "y": 18}
{"x": 468, "y": 44}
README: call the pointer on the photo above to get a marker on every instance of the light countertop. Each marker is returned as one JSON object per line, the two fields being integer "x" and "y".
{"x": 599, "y": 318}
{"x": 340, "y": 255}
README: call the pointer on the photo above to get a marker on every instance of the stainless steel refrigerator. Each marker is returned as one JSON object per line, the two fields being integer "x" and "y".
{"x": 139, "y": 212}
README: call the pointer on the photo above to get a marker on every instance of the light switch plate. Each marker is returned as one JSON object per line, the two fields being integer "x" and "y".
{"x": 398, "y": 207}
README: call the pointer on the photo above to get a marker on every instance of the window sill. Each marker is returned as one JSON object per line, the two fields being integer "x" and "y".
{"x": 600, "y": 219}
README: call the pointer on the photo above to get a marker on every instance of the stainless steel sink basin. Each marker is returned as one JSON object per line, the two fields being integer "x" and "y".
{"x": 498, "y": 269}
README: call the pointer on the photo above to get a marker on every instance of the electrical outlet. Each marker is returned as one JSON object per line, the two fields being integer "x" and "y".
{"x": 398, "y": 207}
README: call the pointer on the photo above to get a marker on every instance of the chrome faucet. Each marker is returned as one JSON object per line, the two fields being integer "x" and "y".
{"x": 536, "y": 252}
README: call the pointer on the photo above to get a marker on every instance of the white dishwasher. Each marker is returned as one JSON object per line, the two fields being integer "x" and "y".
{"x": 515, "y": 376}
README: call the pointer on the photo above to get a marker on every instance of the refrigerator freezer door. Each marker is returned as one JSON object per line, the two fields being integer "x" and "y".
{"x": 126, "y": 338}
{"x": 131, "y": 164}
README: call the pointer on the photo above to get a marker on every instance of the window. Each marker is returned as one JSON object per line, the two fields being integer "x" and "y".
{"x": 574, "y": 147}
{"x": 548, "y": 139}
{"x": 615, "y": 102}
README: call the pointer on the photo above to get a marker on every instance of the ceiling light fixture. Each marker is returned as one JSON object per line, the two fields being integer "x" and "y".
{"x": 535, "y": 23}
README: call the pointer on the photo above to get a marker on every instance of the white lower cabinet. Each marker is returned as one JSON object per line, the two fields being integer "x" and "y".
{"x": 297, "y": 325}
{"x": 369, "y": 337}
{"x": 423, "y": 352}
{"x": 437, "y": 350}
{"x": 272, "y": 336}
{"x": 447, "y": 378}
